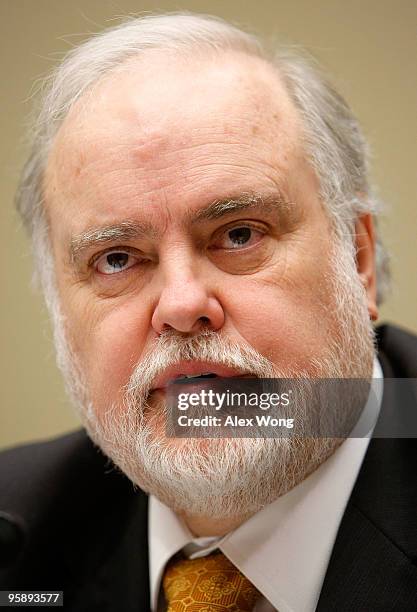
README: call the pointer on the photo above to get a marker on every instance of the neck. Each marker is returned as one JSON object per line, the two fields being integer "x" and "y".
{"x": 202, "y": 526}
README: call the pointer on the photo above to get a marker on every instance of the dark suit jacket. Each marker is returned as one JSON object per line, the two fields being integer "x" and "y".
{"x": 71, "y": 522}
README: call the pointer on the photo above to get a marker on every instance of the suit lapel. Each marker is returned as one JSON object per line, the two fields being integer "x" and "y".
{"x": 367, "y": 571}
{"x": 122, "y": 582}
{"x": 373, "y": 563}
{"x": 114, "y": 573}
{"x": 83, "y": 524}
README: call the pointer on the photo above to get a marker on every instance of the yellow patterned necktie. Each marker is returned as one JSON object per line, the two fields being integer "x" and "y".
{"x": 207, "y": 584}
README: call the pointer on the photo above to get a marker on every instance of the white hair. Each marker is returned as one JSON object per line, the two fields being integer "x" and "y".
{"x": 333, "y": 141}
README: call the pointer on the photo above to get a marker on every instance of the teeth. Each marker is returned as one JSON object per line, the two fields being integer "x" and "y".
{"x": 196, "y": 375}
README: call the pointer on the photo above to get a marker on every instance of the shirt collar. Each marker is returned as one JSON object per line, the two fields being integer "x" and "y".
{"x": 285, "y": 548}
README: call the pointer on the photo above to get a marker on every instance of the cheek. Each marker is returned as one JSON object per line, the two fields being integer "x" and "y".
{"x": 109, "y": 343}
{"x": 287, "y": 322}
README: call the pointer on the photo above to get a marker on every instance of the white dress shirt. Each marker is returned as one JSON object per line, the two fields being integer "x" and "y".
{"x": 285, "y": 548}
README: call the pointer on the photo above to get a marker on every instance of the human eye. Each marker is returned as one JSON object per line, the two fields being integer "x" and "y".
{"x": 115, "y": 261}
{"x": 238, "y": 237}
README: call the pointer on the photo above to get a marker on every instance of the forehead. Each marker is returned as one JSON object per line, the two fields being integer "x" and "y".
{"x": 163, "y": 124}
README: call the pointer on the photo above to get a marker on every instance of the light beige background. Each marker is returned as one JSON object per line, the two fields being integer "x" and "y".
{"x": 368, "y": 45}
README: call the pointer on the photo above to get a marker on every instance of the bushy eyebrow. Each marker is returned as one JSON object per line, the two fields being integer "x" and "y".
{"x": 220, "y": 208}
{"x": 131, "y": 229}
{"x": 126, "y": 230}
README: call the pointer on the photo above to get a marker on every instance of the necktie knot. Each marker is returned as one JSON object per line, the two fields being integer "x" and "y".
{"x": 207, "y": 584}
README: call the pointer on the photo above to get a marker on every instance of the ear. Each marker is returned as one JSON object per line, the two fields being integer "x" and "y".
{"x": 365, "y": 260}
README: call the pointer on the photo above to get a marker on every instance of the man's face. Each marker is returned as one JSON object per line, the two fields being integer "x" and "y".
{"x": 142, "y": 245}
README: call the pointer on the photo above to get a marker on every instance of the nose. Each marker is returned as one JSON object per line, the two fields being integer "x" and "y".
{"x": 186, "y": 303}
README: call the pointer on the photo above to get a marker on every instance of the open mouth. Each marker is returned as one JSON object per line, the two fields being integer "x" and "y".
{"x": 184, "y": 378}
{"x": 195, "y": 372}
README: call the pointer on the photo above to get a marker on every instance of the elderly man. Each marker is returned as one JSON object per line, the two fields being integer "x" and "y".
{"x": 200, "y": 208}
